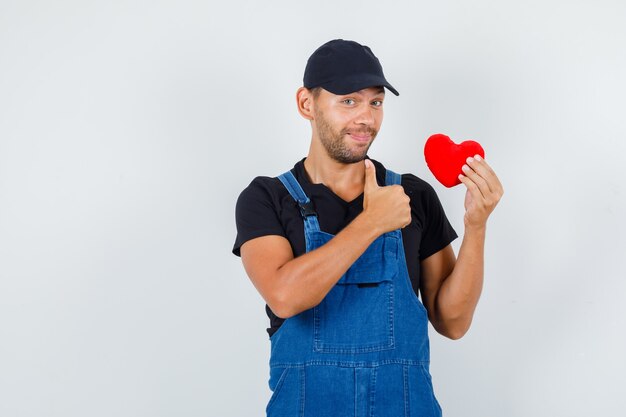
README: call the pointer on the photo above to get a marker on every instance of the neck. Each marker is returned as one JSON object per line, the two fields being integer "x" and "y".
{"x": 345, "y": 180}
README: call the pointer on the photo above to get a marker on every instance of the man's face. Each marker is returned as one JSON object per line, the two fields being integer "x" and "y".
{"x": 346, "y": 125}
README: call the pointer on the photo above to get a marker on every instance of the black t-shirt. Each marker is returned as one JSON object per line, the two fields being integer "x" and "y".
{"x": 265, "y": 207}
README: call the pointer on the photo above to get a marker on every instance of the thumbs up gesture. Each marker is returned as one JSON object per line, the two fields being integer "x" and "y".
{"x": 387, "y": 207}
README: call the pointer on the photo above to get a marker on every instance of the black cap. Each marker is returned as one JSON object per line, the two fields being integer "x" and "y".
{"x": 343, "y": 67}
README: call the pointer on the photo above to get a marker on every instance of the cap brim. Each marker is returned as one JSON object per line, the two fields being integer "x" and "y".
{"x": 352, "y": 84}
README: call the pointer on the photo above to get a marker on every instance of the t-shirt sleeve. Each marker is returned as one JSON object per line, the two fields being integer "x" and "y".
{"x": 437, "y": 232}
{"x": 256, "y": 214}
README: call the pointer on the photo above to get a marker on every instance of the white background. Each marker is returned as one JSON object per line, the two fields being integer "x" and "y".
{"x": 128, "y": 129}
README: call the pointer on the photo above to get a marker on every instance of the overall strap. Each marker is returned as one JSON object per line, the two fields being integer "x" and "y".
{"x": 392, "y": 178}
{"x": 306, "y": 206}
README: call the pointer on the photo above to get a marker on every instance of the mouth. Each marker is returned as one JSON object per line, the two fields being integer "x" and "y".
{"x": 360, "y": 137}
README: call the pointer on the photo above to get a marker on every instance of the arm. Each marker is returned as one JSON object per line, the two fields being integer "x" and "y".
{"x": 451, "y": 288}
{"x": 291, "y": 285}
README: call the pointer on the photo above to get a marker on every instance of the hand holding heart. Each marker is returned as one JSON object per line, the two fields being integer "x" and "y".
{"x": 388, "y": 207}
{"x": 483, "y": 191}
{"x": 453, "y": 164}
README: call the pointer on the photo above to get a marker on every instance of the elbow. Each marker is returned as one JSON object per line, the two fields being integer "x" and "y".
{"x": 282, "y": 311}
{"x": 454, "y": 334}
{"x": 286, "y": 301}
{"x": 453, "y": 329}
{"x": 283, "y": 305}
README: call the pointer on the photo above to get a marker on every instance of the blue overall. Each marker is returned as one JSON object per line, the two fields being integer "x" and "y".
{"x": 363, "y": 351}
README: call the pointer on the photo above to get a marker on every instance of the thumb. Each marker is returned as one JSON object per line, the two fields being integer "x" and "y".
{"x": 370, "y": 176}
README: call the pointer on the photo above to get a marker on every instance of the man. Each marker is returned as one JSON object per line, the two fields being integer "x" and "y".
{"x": 339, "y": 247}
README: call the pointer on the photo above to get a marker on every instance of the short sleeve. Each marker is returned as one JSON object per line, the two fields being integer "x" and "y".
{"x": 256, "y": 213}
{"x": 438, "y": 232}
{"x": 434, "y": 229}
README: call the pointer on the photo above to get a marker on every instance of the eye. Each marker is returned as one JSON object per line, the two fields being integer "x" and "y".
{"x": 349, "y": 101}
{"x": 377, "y": 103}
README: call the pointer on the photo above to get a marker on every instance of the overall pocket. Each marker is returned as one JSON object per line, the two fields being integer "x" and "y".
{"x": 422, "y": 401}
{"x": 288, "y": 390}
{"x": 357, "y": 315}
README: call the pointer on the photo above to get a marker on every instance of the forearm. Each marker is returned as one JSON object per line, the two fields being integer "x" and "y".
{"x": 452, "y": 292}
{"x": 459, "y": 293}
{"x": 304, "y": 281}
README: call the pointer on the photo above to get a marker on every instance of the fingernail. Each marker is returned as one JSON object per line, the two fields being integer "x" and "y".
{"x": 461, "y": 176}
{"x": 470, "y": 160}
{"x": 478, "y": 157}
{"x": 465, "y": 168}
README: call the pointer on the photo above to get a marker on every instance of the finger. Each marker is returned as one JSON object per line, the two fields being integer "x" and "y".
{"x": 484, "y": 163}
{"x": 370, "y": 176}
{"x": 479, "y": 181}
{"x": 477, "y": 165}
{"x": 483, "y": 169}
{"x": 471, "y": 187}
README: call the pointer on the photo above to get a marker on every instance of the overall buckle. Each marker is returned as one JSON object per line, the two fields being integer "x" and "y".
{"x": 306, "y": 209}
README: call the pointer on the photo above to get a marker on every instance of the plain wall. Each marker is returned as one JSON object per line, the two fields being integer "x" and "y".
{"x": 128, "y": 129}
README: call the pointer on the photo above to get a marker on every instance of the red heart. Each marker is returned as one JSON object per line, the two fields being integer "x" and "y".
{"x": 445, "y": 158}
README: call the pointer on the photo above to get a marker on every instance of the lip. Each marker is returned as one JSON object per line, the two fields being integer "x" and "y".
{"x": 360, "y": 138}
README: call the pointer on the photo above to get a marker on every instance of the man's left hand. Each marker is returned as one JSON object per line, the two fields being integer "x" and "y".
{"x": 484, "y": 191}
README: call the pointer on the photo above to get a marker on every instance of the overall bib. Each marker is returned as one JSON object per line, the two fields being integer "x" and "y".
{"x": 363, "y": 351}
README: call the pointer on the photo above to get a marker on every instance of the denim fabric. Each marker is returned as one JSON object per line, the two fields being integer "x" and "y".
{"x": 363, "y": 351}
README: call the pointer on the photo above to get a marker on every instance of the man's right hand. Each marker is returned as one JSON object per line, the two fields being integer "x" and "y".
{"x": 386, "y": 207}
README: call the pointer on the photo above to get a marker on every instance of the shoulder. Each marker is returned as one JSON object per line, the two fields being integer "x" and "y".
{"x": 414, "y": 185}
{"x": 262, "y": 184}
{"x": 424, "y": 198}
{"x": 264, "y": 195}
{"x": 269, "y": 187}
{"x": 258, "y": 211}
{"x": 264, "y": 188}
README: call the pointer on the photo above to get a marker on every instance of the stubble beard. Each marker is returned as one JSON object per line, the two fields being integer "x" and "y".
{"x": 334, "y": 142}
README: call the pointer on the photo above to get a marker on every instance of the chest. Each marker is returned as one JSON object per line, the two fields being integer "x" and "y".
{"x": 333, "y": 215}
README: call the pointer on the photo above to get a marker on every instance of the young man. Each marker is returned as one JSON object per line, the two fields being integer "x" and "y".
{"x": 339, "y": 248}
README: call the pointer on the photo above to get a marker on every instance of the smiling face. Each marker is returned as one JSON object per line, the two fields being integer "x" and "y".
{"x": 346, "y": 125}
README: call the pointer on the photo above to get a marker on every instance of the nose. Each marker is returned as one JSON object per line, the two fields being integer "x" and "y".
{"x": 365, "y": 116}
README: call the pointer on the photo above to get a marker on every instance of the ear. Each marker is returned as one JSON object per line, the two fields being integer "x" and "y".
{"x": 304, "y": 98}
